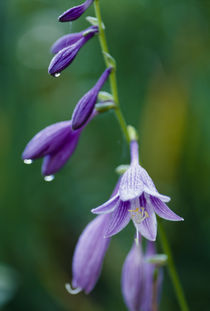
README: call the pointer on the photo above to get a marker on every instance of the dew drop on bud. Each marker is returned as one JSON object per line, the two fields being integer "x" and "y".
{"x": 57, "y": 74}
{"x": 49, "y": 178}
{"x": 28, "y": 161}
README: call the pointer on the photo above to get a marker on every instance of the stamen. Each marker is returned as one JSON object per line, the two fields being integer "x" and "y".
{"x": 72, "y": 291}
{"x": 139, "y": 214}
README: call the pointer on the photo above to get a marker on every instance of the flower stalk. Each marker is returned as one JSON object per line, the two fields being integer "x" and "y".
{"x": 113, "y": 85}
{"x": 112, "y": 78}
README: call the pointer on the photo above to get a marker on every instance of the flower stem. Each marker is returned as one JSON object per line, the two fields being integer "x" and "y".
{"x": 113, "y": 78}
{"x": 113, "y": 84}
{"x": 172, "y": 270}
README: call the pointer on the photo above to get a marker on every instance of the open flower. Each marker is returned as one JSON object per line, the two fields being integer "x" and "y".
{"x": 70, "y": 39}
{"x": 75, "y": 12}
{"x": 137, "y": 199}
{"x": 88, "y": 256}
{"x": 66, "y": 56}
{"x": 140, "y": 286}
{"x": 87, "y": 103}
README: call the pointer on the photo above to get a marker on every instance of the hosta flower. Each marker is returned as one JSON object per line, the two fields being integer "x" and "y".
{"x": 70, "y": 39}
{"x": 66, "y": 56}
{"x": 87, "y": 103}
{"x": 140, "y": 285}
{"x": 75, "y": 12}
{"x": 137, "y": 199}
{"x": 55, "y": 143}
{"x": 88, "y": 256}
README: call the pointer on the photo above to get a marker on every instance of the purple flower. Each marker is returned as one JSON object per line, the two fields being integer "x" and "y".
{"x": 70, "y": 39}
{"x": 140, "y": 287}
{"x": 87, "y": 103}
{"x": 88, "y": 256}
{"x": 66, "y": 56}
{"x": 75, "y": 12}
{"x": 137, "y": 199}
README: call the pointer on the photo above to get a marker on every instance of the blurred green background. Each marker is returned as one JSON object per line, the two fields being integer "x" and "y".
{"x": 162, "y": 49}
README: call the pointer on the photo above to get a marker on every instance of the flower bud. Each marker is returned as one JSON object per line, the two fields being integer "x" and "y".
{"x": 66, "y": 56}
{"x": 88, "y": 256}
{"x": 75, "y": 12}
{"x": 87, "y": 103}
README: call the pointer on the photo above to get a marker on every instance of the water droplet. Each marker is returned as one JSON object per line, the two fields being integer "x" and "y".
{"x": 57, "y": 74}
{"x": 28, "y": 161}
{"x": 49, "y": 178}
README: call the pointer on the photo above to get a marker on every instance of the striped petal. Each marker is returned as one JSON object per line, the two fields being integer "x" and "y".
{"x": 162, "y": 210}
{"x": 119, "y": 219}
{"x": 108, "y": 206}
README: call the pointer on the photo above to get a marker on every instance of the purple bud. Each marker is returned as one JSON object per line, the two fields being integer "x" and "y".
{"x": 133, "y": 278}
{"x": 66, "y": 56}
{"x": 87, "y": 103}
{"x": 70, "y": 39}
{"x": 75, "y": 12}
{"x": 55, "y": 143}
{"x": 88, "y": 256}
{"x": 140, "y": 287}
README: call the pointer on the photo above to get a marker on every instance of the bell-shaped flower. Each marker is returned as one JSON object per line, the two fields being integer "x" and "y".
{"x": 140, "y": 284}
{"x": 137, "y": 199}
{"x": 75, "y": 12}
{"x": 70, "y": 39}
{"x": 88, "y": 256}
{"x": 66, "y": 56}
{"x": 85, "y": 106}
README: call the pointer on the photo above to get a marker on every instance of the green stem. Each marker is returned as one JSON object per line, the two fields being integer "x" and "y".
{"x": 172, "y": 270}
{"x": 113, "y": 78}
{"x": 113, "y": 84}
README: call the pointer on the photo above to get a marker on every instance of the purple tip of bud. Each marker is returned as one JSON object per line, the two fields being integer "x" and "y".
{"x": 53, "y": 162}
{"x": 66, "y": 56}
{"x": 47, "y": 141}
{"x": 65, "y": 41}
{"x": 89, "y": 254}
{"x": 86, "y": 105}
{"x": 75, "y": 12}
{"x": 70, "y": 39}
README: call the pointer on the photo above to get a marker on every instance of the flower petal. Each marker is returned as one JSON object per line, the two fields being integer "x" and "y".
{"x": 162, "y": 210}
{"x": 149, "y": 186}
{"x": 131, "y": 185}
{"x": 108, "y": 206}
{"x": 119, "y": 219}
{"x": 148, "y": 227}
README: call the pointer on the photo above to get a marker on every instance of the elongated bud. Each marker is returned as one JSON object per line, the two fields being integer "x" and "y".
{"x": 133, "y": 278}
{"x": 66, "y": 56}
{"x": 87, "y": 103}
{"x": 89, "y": 254}
{"x": 75, "y": 12}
